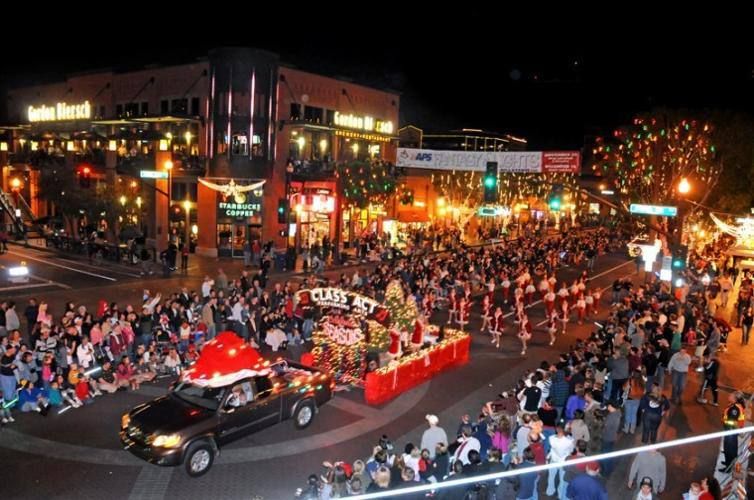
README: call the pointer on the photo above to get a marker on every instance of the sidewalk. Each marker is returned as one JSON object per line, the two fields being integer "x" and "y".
{"x": 693, "y": 462}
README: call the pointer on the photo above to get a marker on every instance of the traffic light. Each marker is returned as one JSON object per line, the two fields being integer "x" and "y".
{"x": 490, "y": 182}
{"x": 680, "y": 256}
{"x": 556, "y": 197}
{"x": 85, "y": 176}
{"x": 283, "y": 209}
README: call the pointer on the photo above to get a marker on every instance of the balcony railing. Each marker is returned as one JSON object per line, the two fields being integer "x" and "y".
{"x": 309, "y": 169}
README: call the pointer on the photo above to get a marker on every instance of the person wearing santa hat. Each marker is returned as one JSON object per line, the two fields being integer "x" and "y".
{"x": 524, "y": 333}
{"x": 564, "y": 315}
{"x": 464, "y": 308}
{"x": 549, "y": 299}
{"x": 417, "y": 337}
{"x": 429, "y": 302}
{"x": 486, "y": 313}
{"x": 544, "y": 287}
{"x": 506, "y": 285}
{"x": 580, "y": 308}
{"x": 552, "y": 327}
{"x": 518, "y": 296}
{"x": 574, "y": 292}
{"x": 452, "y": 306}
{"x": 589, "y": 299}
{"x": 563, "y": 294}
{"x": 596, "y": 295}
{"x": 552, "y": 280}
{"x": 529, "y": 292}
{"x": 394, "y": 349}
{"x": 491, "y": 288}
{"x": 497, "y": 326}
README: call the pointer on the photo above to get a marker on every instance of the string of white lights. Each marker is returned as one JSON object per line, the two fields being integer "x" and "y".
{"x": 539, "y": 468}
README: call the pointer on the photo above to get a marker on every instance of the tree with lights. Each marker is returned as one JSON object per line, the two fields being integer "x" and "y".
{"x": 365, "y": 182}
{"x": 403, "y": 311}
{"x": 463, "y": 188}
{"x": 646, "y": 160}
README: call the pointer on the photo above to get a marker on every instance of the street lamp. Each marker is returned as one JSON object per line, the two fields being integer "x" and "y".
{"x": 187, "y": 209}
{"x": 288, "y": 174}
{"x": 684, "y": 186}
{"x": 123, "y": 201}
{"x": 169, "y": 168}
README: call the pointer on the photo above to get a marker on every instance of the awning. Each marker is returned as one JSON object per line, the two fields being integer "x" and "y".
{"x": 167, "y": 119}
{"x": 410, "y": 216}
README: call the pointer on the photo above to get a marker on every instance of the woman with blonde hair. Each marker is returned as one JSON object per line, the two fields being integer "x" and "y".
{"x": 381, "y": 480}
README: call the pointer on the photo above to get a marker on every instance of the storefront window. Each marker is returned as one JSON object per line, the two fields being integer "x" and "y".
{"x": 312, "y": 114}
{"x": 224, "y": 236}
{"x": 321, "y": 147}
{"x": 240, "y": 144}
{"x": 295, "y": 111}
{"x": 179, "y": 106}
{"x": 256, "y": 146}
{"x": 222, "y": 144}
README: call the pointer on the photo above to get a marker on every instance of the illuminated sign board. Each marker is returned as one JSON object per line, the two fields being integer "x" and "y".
{"x": 493, "y": 211}
{"x": 339, "y": 299}
{"x": 61, "y": 111}
{"x": 636, "y": 208}
{"x": 238, "y": 210}
{"x": 366, "y": 123}
{"x": 153, "y": 174}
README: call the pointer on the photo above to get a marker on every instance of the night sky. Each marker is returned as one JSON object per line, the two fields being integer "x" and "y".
{"x": 549, "y": 85}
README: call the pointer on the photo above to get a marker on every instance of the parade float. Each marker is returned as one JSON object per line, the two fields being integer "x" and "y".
{"x": 385, "y": 348}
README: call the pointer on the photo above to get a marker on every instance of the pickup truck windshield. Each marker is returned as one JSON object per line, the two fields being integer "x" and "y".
{"x": 204, "y": 397}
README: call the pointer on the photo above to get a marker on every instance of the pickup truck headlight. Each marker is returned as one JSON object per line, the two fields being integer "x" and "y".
{"x": 125, "y": 420}
{"x": 167, "y": 441}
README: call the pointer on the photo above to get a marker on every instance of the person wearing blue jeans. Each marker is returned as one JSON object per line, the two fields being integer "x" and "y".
{"x": 610, "y": 434}
{"x": 679, "y": 368}
{"x": 527, "y": 486}
{"x": 561, "y": 447}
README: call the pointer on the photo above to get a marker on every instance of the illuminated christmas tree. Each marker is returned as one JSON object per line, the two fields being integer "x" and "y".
{"x": 403, "y": 311}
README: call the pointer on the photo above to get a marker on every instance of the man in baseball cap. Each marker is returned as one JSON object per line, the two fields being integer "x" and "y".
{"x": 433, "y": 436}
{"x": 645, "y": 489}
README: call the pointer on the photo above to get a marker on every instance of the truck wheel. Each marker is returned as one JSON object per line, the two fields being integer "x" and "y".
{"x": 304, "y": 414}
{"x": 199, "y": 458}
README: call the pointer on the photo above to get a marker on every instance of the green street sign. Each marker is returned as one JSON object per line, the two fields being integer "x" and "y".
{"x": 153, "y": 174}
{"x": 638, "y": 209}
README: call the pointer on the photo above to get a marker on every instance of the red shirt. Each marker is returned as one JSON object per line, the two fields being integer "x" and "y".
{"x": 82, "y": 390}
{"x": 125, "y": 372}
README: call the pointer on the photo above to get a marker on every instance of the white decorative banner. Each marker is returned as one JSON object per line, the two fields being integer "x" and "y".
{"x": 533, "y": 162}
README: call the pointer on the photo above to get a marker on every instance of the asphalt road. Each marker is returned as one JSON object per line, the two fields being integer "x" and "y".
{"x": 77, "y": 454}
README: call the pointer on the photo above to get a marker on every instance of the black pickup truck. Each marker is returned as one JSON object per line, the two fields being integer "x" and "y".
{"x": 191, "y": 423}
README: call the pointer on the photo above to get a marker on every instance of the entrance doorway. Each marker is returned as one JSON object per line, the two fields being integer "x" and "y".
{"x": 231, "y": 238}
{"x": 314, "y": 227}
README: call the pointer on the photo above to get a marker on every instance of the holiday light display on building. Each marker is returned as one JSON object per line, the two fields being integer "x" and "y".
{"x": 744, "y": 232}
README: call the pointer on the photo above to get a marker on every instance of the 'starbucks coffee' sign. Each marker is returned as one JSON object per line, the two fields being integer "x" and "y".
{"x": 240, "y": 207}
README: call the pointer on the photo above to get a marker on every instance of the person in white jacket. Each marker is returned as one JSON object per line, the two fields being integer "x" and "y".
{"x": 85, "y": 353}
{"x": 561, "y": 447}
